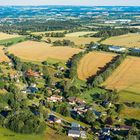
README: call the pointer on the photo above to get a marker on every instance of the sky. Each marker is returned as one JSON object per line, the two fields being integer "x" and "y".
{"x": 73, "y": 2}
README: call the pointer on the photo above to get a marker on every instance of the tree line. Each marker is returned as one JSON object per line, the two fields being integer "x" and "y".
{"x": 115, "y": 32}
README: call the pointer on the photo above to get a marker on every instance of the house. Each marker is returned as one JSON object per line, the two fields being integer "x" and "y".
{"x": 54, "y": 119}
{"x": 75, "y": 126}
{"x": 74, "y": 100}
{"x": 61, "y": 68}
{"x": 105, "y": 131}
{"x": 55, "y": 98}
{"x": 97, "y": 113}
{"x": 74, "y": 133}
{"x": 71, "y": 100}
{"x": 117, "y": 49}
{"x": 32, "y": 73}
{"x": 95, "y": 46}
{"x": 80, "y": 101}
{"x": 80, "y": 109}
{"x": 106, "y": 103}
{"x": 33, "y": 89}
{"x": 83, "y": 134}
{"x": 136, "y": 50}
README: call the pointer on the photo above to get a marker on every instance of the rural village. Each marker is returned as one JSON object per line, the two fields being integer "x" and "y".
{"x": 74, "y": 83}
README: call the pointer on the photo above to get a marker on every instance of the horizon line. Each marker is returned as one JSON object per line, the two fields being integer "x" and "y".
{"x": 81, "y": 5}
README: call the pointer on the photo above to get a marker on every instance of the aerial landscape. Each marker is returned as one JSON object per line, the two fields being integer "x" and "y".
{"x": 69, "y": 70}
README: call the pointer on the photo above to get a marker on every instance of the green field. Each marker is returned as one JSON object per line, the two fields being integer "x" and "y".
{"x": 50, "y": 134}
{"x": 129, "y": 96}
{"x": 130, "y": 113}
{"x": 6, "y": 134}
{"x": 12, "y": 40}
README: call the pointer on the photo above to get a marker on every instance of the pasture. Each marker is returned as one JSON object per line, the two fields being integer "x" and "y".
{"x": 91, "y": 63}
{"x": 3, "y": 57}
{"x": 128, "y": 40}
{"x": 4, "y": 36}
{"x": 39, "y": 51}
{"x": 126, "y": 79}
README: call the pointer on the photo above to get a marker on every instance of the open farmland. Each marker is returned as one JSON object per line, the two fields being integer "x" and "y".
{"x": 129, "y": 40}
{"x": 126, "y": 79}
{"x": 4, "y": 36}
{"x": 3, "y": 57}
{"x": 39, "y": 51}
{"x": 42, "y": 33}
{"x": 92, "y": 62}
{"x": 77, "y": 34}
{"x": 76, "y": 40}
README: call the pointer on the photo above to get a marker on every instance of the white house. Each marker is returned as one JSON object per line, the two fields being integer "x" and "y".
{"x": 74, "y": 133}
{"x": 117, "y": 49}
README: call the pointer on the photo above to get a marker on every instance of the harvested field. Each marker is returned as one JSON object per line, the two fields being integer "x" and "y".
{"x": 3, "y": 57}
{"x": 39, "y": 51}
{"x": 126, "y": 77}
{"x": 78, "y": 40}
{"x": 77, "y": 34}
{"x": 4, "y": 36}
{"x": 92, "y": 62}
{"x": 129, "y": 40}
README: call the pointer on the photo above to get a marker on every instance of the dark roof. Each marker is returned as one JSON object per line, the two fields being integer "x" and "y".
{"x": 33, "y": 89}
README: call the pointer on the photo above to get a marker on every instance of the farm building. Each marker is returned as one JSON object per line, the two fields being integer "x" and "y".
{"x": 136, "y": 50}
{"x": 117, "y": 49}
{"x": 76, "y": 132}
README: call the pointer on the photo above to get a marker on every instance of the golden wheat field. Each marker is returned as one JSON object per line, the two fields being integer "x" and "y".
{"x": 129, "y": 40}
{"x": 39, "y": 51}
{"x": 77, "y": 34}
{"x": 92, "y": 62}
{"x": 77, "y": 40}
{"x": 126, "y": 76}
{"x": 7, "y": 36}
{"x": 3, "y": 57}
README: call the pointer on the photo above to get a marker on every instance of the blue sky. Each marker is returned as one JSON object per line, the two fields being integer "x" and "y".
{"x": 72, "y": 2}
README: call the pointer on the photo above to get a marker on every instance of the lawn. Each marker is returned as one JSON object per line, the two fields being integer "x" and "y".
{"x": 88, "y": 95}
